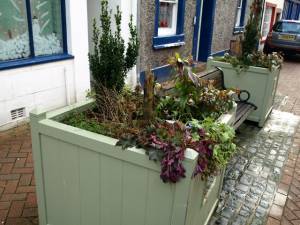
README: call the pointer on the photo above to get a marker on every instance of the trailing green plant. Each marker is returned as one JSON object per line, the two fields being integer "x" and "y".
{"x": 111, "y": 61}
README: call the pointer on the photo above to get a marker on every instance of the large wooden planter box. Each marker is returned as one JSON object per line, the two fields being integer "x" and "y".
{"x": 83, "y": 179}
{"x": 260, "y": 82}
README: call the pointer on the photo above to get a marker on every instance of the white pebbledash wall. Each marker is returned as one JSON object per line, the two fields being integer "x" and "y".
{"x": 128, "y": 7}
{"x": 50, "y": 85}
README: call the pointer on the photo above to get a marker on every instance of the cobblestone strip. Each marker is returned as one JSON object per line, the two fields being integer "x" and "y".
{"x": 18, "y": 204}
{"x": 252, "y": 177}
{"x": 285, "y": 209}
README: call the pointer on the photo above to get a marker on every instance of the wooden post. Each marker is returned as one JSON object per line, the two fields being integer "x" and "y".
{"x": 148, "y": 95}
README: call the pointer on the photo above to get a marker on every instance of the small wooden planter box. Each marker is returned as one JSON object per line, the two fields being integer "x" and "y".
{"x": 82, "y": 178}
{"x": 260, "y": 82}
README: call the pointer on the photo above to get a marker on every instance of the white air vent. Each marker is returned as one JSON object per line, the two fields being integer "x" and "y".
{"x": 17, "y": 113}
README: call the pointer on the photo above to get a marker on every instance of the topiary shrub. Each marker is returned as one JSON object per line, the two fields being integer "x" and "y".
{"x": 111, "y": 60}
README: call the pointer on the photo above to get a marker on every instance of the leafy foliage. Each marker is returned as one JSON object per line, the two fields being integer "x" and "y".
{"x": 123, "y": 115}
{"x": 192, "y": 97}
{"x": 109, "y": 63}
{"x": 215, "y": 148}
{"x": 257, "y": 59}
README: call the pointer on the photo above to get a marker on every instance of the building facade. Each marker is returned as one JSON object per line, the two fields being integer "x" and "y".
{"x": 191, "y": 27}
{"x": 45, "y": 43}
{"x": 43, "y": 56}
{"x": 291, "y": 10}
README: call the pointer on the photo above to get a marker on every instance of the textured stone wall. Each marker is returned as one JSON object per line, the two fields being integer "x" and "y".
{"x": 155, "y": 58}
{"x": 224, "y": 23}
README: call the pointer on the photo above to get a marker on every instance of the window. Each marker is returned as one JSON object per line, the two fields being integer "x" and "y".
{"x": 169, "y": 23}
{"x": 238, "y": 13}
{"x": 47, "y": 27}
{"x": 14, "y": 36}
{"x": 287, "y": 27}
{"x": 167, "y": 17}
{"x": 267, "y": 22}
{"x": 31, "y": 28}
{"x": 240, "y": 16}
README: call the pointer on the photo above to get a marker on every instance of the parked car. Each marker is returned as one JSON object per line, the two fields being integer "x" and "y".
{"x": 284, "y": 37}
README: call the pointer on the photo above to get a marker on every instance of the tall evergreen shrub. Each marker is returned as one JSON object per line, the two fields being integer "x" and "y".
{"x": 111, "y": 60}
{"x": 252, "y": 29}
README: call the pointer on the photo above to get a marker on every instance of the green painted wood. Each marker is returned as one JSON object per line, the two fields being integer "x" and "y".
{"x": 159, "y": 201}
{"x": 85, "y": 179}
{"x": 134, "y": 200}
{"x": 111, "y": 172}
{"x": 181, "y": 196}
{"x": 61, "y": 174}
{"x": 196, "y": 197}
{"x": 35, "y": 117}
{"x": 89, "y": 186}
{"x": 210, "y": 201}
{"x": 52, "y": 180}
{"x": 260, "y": 82}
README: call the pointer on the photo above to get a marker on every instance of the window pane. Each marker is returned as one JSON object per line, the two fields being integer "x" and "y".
{"x": 287, "y": 27}
{"x": 14, "y": 38}
{"x": 166, "y": 14}
{"x": 238, "y": 18}
{"x": 267, "y": 22}
{"x": 47, "y": 27}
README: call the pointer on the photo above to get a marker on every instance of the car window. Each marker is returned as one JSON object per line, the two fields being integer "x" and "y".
{"x": 287, "y": 27}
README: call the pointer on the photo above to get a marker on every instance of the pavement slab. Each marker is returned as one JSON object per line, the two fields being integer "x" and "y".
{"x": 254, "y": 174}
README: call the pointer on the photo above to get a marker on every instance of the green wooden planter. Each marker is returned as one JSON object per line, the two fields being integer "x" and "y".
{"x": 83, "y": 179}
{"x": 260, "y": 82}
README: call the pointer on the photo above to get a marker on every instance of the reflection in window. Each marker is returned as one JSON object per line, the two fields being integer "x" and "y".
{"x": 14, "y": 38}
{"x": 167, "y": 17}
{"x": 47, "y": 27}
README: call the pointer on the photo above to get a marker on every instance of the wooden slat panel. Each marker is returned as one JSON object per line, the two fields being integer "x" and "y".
{"x": 244, "y": 110}
{"x": 111, "y": 173}
{"x": 51, "y": 177}
{"x": 61, "y": 171}
{"x": 90, "y": 187}
{"x": 159, "y": 201}
{"x": 195, "y": 200}
{"x": 134, "y": 198}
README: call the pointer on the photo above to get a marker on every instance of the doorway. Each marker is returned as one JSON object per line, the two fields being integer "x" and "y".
{"x": 203, "y": 31}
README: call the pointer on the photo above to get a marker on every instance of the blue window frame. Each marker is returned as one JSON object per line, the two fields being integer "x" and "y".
{"x": 240, "y": 16}
{"x": 38, "y": 28}
{"x": 169, "y": 23}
